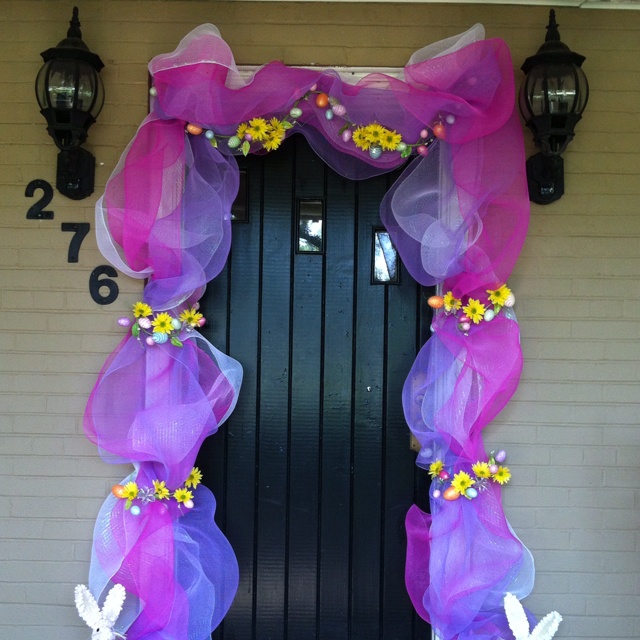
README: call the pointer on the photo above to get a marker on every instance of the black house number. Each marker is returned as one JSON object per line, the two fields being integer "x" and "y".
{"x": 97, "y": 284}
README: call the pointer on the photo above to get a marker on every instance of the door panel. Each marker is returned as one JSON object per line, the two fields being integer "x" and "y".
{"x": 313, "y": 472}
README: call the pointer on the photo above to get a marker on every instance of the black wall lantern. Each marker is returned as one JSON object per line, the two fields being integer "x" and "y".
{"x": 70, "y": 94}
{"x": 553, "y": 96}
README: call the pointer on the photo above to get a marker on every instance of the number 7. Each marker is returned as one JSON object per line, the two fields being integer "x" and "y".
{"x": 80, "y": 230}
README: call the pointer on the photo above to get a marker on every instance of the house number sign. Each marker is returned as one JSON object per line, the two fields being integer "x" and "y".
{"x": 102, "y": 288}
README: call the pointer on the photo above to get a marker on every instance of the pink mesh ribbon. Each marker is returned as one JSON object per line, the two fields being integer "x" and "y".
{"x": 457, "y": 215}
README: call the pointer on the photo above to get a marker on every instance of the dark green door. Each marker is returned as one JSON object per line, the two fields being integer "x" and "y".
{"x": 313, "y": 472}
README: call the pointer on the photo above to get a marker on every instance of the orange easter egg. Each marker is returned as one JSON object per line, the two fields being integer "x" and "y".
{"x": 322, "y": 100}
{"x": 439, "y": 131}
{"x": 118, "y": 490}
{"x": 436, "y": 302}
{"x": 450, "y": 494}
{"x": 194, "y": 129}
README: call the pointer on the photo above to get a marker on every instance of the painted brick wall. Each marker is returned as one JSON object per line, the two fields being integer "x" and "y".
{"x": 572, "y": 429}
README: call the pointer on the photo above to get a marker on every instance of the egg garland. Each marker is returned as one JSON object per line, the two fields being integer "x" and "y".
{"x": 137, "y": 496}
{"x": 161, "y": 328}
{"x": 468, "y": 484}
{"x": 474, "y": 311}
{"x": 261, "y": 134}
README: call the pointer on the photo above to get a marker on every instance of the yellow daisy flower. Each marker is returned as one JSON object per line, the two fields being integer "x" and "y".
{"x": 360, "y": 139}
{"x": 242, "y": 129}
{"x": 195, "y": 478}
{"x": 276, "y": 126}
{"x": 161, "y": 491}
{"x": 481, "y": 469}
{"x": 258, "y": 129}
{"x": 502, "y": 475}
{"x": 451, "y": 303}
{"x": 390, "y": 140}
{"x": 435, "y": 468}
{"x": 273, "y": 141}
{"x": 142, "y": 310}
{"x": 374, "y": 133}
{"x": 182, "y": 494}
{"x": 190, "y": 317}
{"x": 474, "y": 310}
{"x": 498, "y": 296}
{"x": 162, "y": 323}
{"x": 130, "y": 491}
{"x": 462, "y": 481}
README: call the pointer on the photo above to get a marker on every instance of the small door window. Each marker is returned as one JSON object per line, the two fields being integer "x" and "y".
{"x": 310, "y": 221}
{"x": 386, "y": 268}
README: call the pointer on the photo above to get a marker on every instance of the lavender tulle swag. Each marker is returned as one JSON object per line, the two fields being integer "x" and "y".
{"x": 458, "y": 217}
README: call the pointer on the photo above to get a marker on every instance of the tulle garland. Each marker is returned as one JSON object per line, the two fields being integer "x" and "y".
{"x": 458, "y": 217}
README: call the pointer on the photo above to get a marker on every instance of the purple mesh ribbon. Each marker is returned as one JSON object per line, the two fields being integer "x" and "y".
{"x": 458, "y": 216}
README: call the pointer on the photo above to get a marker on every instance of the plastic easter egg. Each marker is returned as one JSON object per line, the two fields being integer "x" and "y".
{"x": 176, "y": 324}
{"x": 188, "y": 504}
{"x": 322, "y": 100}
{"x": 436, "y": 302}
{"x": 464, "y": 319}
{"x": 450, "y": 494}
{"x": 346, "y": 135}
{"x": 202, "y": 322}
{"x": 328, "y": 114}
{"x": 124, "y": 322}
{"x": 233, "y": 142}
{"x": 422, "y": 150}
{"x": 444, "y": 475}
{"x": 493, "y": 468}
{"x": 340, "y": 110}
{"x": 296, "y": 112}
{"x": 135, "y": 510}
{"x": 375, "y": 152}
{"x": 465, "y": 326}
{"x": 150, "y": 341}
{"x": 248, "y": 137}
{"x": 160, "y": 338}
{"x": 450, "y": 119}
{"x": 145, "y": 323}
{"x": 489, "y": 315}
{"x": 118, "y": 490}
{"x": 510, "y": 300}
{"x": 471, "y": 493}
{"x": 401, "y": 146}
{"x": 436, "y": 494}
{"x": 440, "y": 131}
{"x": 501, "y": 456}
{"x": 424, "y": 133}
{"x": 153, "y": 92}
{"x": 194, "y": 129}
{"x": 209, "y": 135}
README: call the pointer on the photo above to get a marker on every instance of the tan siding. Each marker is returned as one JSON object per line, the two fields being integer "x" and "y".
{"x": 572, "y": 429}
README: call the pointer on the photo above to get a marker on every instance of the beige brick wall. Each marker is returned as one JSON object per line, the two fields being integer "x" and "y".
{"x": 572, "y": 429}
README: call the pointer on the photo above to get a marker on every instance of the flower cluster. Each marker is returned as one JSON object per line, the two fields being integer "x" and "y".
{"x": 159, "y": 491}
{"x": 162, "y": 327}
{"x": 262, "y": 134}
{"x": 469, "y": 484}
{"x": 474, "y": 311}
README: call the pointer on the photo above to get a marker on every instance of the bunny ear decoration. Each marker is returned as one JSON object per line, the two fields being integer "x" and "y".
{"x": 516, "y": 617}
{"x": 87, "y": 606}
{"x": 547, "y": 627}
{"x": 113, "y": 604}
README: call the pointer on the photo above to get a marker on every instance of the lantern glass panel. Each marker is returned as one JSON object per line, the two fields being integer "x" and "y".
{"x": 554, "y": 89}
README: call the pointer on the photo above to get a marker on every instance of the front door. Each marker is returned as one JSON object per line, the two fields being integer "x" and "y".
{"x": 313, "y": 472}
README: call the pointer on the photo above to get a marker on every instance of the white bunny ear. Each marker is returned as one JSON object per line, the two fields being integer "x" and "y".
{"x": 87, "y": 606}
{"x": 113, "y": 604}
{"x": 547, "y": 627}
{"x": 516, "y": 617}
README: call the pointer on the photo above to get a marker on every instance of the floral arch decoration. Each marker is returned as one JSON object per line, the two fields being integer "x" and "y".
{"x": 458, "y": 216}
